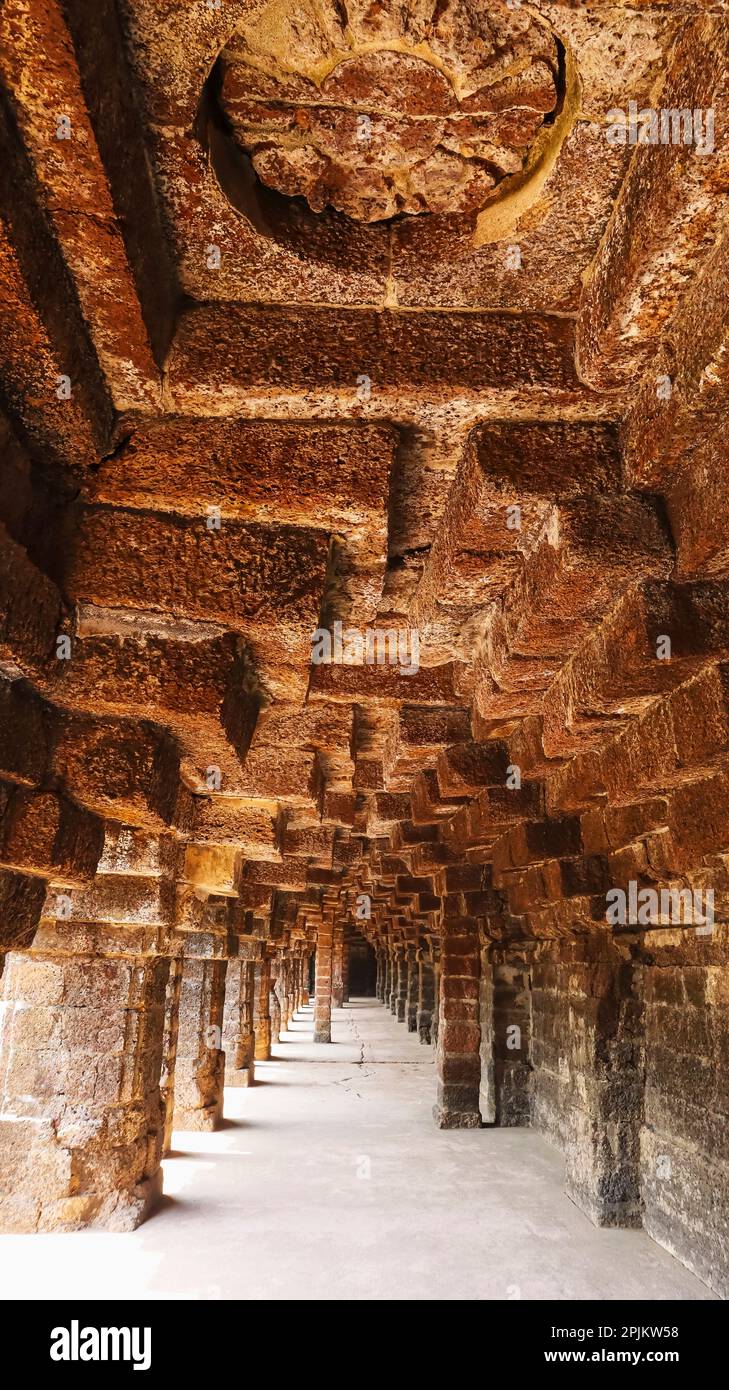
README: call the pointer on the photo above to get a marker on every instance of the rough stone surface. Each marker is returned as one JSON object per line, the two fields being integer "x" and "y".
{"x": 429, "y": 119}
{"x": 364, "y": 580}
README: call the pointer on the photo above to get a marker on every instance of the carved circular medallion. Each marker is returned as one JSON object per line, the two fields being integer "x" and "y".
{"x": 424, "y": 108}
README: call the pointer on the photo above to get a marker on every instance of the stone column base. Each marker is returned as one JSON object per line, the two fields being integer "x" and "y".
{"x": 242, "y": 1075}
{"x": 201, "y": 1119}
{"x": 38, "y": 1167}
{"x": 445, "y": 1118}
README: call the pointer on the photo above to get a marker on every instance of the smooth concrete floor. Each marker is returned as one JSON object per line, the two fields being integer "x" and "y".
{"x": 330, "y": 1181}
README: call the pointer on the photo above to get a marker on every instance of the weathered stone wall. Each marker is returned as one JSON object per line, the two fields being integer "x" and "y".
{"x": 629, "y": 1053}
{"x": 506, "y": 1036}
{"x": 588, "y": 1059}
{"x": 230, "y": 414}
{"x": 684, "y": 1138}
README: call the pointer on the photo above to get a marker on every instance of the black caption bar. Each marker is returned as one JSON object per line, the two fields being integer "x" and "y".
{"x": 152, "y": 1340}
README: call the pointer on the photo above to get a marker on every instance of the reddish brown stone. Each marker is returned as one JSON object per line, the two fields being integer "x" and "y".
{"x": 244, "y": 403}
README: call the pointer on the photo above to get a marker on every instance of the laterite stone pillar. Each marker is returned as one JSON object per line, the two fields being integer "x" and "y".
{"x": 274, "y": 1001}
{"x": 458, "y": 1063}
{"x": 402, "y": 984}
{"x": 239, "y": 1039}
{"x": 411, "y": 998}
{"x": 81, "y": 1117}
{"x": 387, "y": 977}
{"x": 394, "y": 984}
{"x": 506, "y": 1071}
{"x": 169, "y": 1049}
{"x": 337, "y": 968}
{"x": 290, "y": 988}
{"x": 426, "y": 996}
{"x": 380, "y": 975}
{"x": 200, "y": 1067}
{"x": 261, "y": 1009}
{"x": 323, "y": 997}
{"x": 304, "y": 986}
{"x": 345, "y": 972}
{"x": 436, "y": 993}
{"x": 512, "y": 1037}
{"x": 248, "y": 1031}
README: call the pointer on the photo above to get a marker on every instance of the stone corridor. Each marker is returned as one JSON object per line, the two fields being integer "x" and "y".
{"x": 329, "y": 1181}
{"x": 364, "y": 630}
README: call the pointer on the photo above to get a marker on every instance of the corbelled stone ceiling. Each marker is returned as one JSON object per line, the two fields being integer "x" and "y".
{"x": 365, "y": 318}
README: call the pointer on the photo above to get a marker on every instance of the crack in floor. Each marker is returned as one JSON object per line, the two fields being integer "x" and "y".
{"x": 359, "y": 1042}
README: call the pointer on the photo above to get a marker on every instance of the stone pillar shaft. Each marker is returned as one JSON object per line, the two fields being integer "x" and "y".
{"x": 200, "y": 1068}
{"x": 402, "y": 984}
{"x": 387, "y": 977}
{"x": 239, "y": 1039}
{"x": 506, "y": 1038}
{"x": 323, "y": 999}
{"x": 261, "y": 1009}
{"x": 81, "y": 1117}
{"x": 411, "y": 996}
{"x": 274, "y": 1000}
{"x": 395, "y": 986}
{"x": 345, "y": 972}
{"x": 458, "y": 1063}
{"x": 337, "y": 968}
{"x": 288, "y": 984}
{"x": 380, "y": 976}
{"x": 436, "y": 1000}
{"x": 169, "y": 1050}
{"x": 426, "y": 998}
